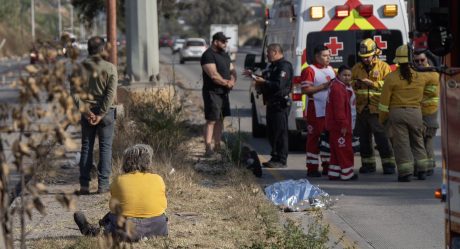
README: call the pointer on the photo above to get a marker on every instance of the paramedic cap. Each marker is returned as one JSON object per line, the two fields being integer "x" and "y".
{"x": 219, "y": 36}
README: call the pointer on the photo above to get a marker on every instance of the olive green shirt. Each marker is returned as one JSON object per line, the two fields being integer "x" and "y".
{"x": 102, "y": 80}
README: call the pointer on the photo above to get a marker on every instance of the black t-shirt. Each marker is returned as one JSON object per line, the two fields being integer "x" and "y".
{"x": 222, "y": 61}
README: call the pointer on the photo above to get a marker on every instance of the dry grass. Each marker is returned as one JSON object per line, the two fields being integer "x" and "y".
{"x": 227, "y": 210}
{"x": 205, "y": 211}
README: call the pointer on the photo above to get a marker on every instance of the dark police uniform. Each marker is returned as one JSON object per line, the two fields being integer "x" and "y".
{"x": 276, "y": 91}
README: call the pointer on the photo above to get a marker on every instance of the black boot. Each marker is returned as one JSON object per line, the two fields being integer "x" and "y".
{"x": 388, "y": 171}
{"x": 314, "y": 174}
{"x": 366, "y": 170}
{"x": 405, "y": 178}
{"x": 84, "y": 226}
{"x": 388, "y": 168}
{"x": 353, "y": 178}
{"x": 421, "y": 175}
{"x": 429, "y": 172}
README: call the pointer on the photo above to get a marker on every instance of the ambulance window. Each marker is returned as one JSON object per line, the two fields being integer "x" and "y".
{"x": 344, "y": 45}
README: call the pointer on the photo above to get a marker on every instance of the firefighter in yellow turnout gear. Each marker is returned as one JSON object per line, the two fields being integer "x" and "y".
{"x": 400, "y": 104}
{"x": 367, "y": 82}
{"x": 430, "y": 105}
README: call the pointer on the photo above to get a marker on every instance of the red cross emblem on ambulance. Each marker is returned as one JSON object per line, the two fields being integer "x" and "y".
{"x": 380, "y": 43}
{"x": 334, "y": 45}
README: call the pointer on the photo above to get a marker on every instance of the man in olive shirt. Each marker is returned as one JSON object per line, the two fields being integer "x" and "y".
{"x": 98, "y": 114}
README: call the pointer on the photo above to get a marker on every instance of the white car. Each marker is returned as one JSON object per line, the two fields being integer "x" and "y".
{"x": 192, "y": 49}
{"x": 177, "y": 45}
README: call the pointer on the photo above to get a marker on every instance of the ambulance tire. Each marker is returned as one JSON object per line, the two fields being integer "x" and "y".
{"x": 258, "y": 130}
{"x": 297, "y": 142}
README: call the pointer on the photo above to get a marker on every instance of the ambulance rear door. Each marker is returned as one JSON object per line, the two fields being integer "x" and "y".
{"x": 342, "y": 25}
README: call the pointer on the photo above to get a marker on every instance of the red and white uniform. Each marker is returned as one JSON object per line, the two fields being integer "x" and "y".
{"x": 315, "y": 75}
{"x": 338, "y": 116}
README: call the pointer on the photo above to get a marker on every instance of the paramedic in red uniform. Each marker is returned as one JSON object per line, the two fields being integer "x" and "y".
{"x": 315, "y": 82}
{"x": 339, "y": 125}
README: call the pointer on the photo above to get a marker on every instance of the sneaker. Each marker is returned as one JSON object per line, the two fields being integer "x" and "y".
{"x": 314, "y": 174}
{"x": 102, "y": 191}
{"x": 209, "y": 153}
{"x": 366, "y": 170}
{"x": 353, "y": 178}
{"x": 83, "y": 191}
{"x": 267, "y": 164}
{"x": 84, "y": 226}
{"x": 272, "y": 164}
{"x": 325, "y": 170}
{"x": 405, "y": 178}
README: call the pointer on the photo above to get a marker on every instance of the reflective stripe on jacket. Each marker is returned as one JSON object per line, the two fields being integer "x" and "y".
{"x": 369, "y": 96}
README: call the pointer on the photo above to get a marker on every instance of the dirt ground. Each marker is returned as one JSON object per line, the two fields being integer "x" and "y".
{"x": 212, "y": 203}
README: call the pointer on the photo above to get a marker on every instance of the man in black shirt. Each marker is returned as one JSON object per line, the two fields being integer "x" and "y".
{"x": 276, "y": 86}
{"x": 219, "y": 77}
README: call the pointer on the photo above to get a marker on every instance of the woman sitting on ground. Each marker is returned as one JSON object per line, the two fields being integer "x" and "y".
{"x": 137, "y": 195}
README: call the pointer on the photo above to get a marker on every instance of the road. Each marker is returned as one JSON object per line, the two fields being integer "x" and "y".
{"x": 375, "y": 212}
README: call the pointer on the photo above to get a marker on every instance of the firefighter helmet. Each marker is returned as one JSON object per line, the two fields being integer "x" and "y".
{"x": 402, "y": 54}
{"x": 367, "y": 48}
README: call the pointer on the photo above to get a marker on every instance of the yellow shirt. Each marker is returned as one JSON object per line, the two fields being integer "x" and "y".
{"x": 430, "y": 101}
{"x": 141, "y": 195}
{"x": 397, "y": 92}
{"x": 369, "y": 95}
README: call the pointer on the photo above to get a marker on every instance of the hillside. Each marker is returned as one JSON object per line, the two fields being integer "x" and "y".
{"x": 15, "y": 24}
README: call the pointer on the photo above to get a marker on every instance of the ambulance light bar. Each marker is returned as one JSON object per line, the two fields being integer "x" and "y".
{"x": 366, "y": 10}
{"x": 390, "y": 10}
{"x": 342, "y": 11}
{"x": 317, "y": 12}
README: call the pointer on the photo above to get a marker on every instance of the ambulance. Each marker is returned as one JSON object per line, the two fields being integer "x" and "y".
{"x": 300, "y": 25}
{"x": 439, "y": 21}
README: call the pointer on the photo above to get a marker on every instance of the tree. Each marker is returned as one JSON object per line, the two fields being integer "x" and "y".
{"x": 88, "y": 10}
{"x": 203, "y": 13}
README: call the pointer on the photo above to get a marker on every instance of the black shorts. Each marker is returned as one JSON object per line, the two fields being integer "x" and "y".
{"x": 216, "y": 106}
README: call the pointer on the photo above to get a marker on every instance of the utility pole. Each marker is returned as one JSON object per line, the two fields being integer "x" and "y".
{"x": 32, "y": 10}
{"x": 59, "y": 19}
{"x": 112, "y": 30}
{"x": 142, "y": 41}
{"x": 71, "y": 18}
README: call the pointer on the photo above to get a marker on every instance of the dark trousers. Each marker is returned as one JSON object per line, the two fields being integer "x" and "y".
{"x": 104, "y": 131}
{"x": 143, "y": 227}
{"x": 277, "y": 128}
{"x": 367, "y": 124}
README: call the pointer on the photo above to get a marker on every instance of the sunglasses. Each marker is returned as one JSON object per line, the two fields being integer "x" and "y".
{"x": 420, "y": 60}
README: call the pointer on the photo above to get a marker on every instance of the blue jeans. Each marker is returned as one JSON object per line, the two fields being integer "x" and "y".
{"x": 104, "y": 130}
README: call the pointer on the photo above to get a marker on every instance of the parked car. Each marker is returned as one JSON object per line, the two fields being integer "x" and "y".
{"x": 165, "y": 41}
{"x": 177, "y": 45}
{"x": 192, "y": 49}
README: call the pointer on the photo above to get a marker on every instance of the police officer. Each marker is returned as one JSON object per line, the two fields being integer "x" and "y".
{"x": 276, "y": 86}
{"x": 430, "y": 106}
{"x": 400, "y": 103}
{"x": 96, "y": 102}
{"x": 367, "y": 82}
